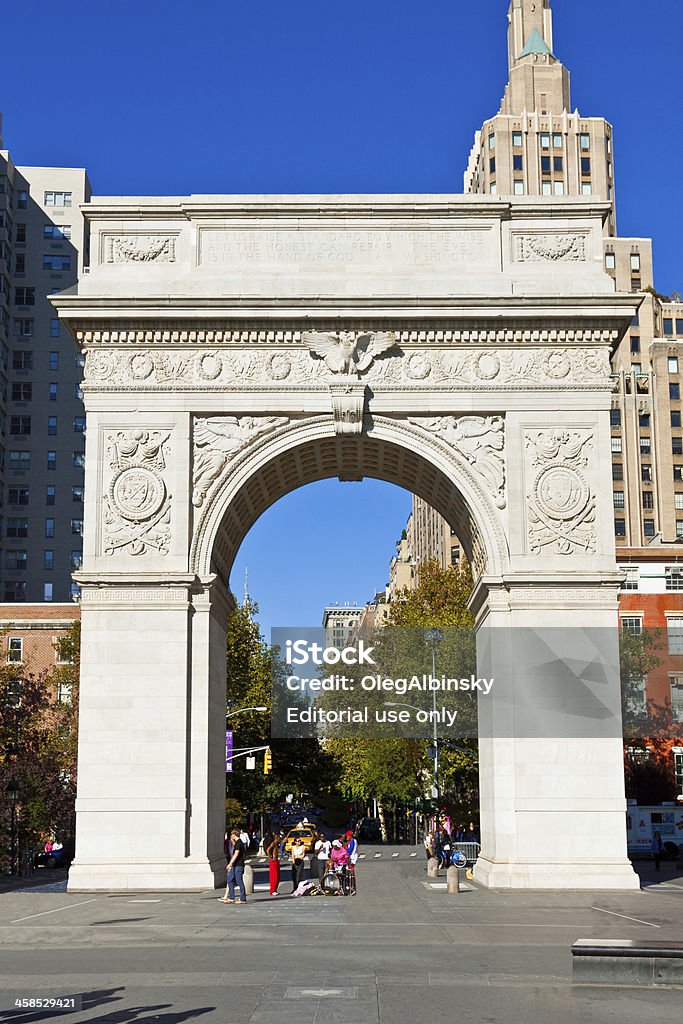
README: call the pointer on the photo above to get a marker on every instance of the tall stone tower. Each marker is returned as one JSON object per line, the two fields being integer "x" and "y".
{"x": 536, "y": 144}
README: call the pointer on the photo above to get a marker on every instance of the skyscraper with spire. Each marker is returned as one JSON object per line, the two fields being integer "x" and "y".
{"x": 536, "y": 144}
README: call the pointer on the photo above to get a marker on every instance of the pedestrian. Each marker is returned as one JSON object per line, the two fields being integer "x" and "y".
{"x": 657, "y": 849}
{"x": 320, "y": 856}
{"x": 235, "y": 869}
{"x": 273, "y": 854}
{"x": 428, "y": 843}
{"x": 471, "y": 836}
{"x": 246, "y": 839}
{"x": 298, "y": 863}
{"x": 48, "y": 847}
{"x": 352, "y": 850}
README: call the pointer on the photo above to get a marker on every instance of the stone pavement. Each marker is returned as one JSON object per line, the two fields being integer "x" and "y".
{"x": 400, "y": 951}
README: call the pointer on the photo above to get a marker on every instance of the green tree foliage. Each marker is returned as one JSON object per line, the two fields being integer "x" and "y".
{"x": 38, "y": 747}
{"x": 299, "y": 765}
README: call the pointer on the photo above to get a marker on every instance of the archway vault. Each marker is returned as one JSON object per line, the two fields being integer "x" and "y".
{"x": 307, "y": 450}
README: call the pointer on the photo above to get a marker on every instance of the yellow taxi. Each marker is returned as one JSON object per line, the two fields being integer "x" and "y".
{"x": 305, "y": 834}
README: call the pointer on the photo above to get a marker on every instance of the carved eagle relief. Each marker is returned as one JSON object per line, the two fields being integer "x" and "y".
{"x": 347, "y": 352}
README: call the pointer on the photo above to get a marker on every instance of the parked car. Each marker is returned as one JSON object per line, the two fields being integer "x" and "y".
{"x": 306, "y": 835}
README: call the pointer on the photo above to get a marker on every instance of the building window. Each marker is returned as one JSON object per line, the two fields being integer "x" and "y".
{"x": 57, "y": 231}
{"x": 675, "y": 417}
{"x": 648, "y": 527}
{"x": 54, "y": 360}
{"x": 20, "y": 238}
{"x": 545, "y": 165}
{"x": 619, "y": 527}
{"x": 57, "y": 199}
{"x": 632, "y": 624}
{"x": 546, "y": 188}
{"x": 20, "y": 426}
{"x": 615, "y": 417}
{"x": 632, "y": 578}
{"x": 17, "y": 496}
{"x": 677, "y": 445}
{"x": 74, "y": 591}
{"x": 673, "y": 364}
{"x": 54, "y": 328}
{"x": 645, "y": 445}
{"x": 516, "y": 138}
{"x": 618, "y": 497}
{"x": 616, "y": 445}
{"x": 52, "y": 426}
{"x": 24, "y": 296}
{"x": 52, "y": 460}
{"x": 78, "y": 392}
{"x": 15, "y": 591}
{"x": 20, "y": 263}
{"x": 77, "y": 527}
{"x": 617, "y": 471}
{"x": 20, "y": 461}
{"x": 50, "y": 494}
{"x": 674, "y": 631}
{"x": 22, "y": 199}
{"x": 679, "y": 326}
{"x": 518, "y": 162}
{"x": 610, "y": 261}
{"x": 674, "y": 392}
{"x": 16, "y": 559}
{"x": 585, "y": 165}
{"x": 676, "y": 684}
{"x": 49, "y": 527}
{"x": 673, "y": 576}
{"x": 17, "y": 528}
{"x": 492, "y": 165}
{"x": 79, "y": 424}
{"x": 635, "y": 263}
{"x": 557, "y": 164}
{"x": 679, "y": 529}
{"x": 678, "y": 472}
{"x": 678, "y": 500}
{"x": 668, "y": 325}
{"x": 77, "y": 493}
{"x": 519, "y": 188}
{"x": 558, "y": 188}
{"x": 79, "y": 460}
{"x": 23, "y": 328}
{"x": 76, "y": 559}
{"x": 635, "y": 344}
{"x": 52, "y": 392}
{"x": 644, "y": 420}
{"x": 646, "y": 474}
{"x": 648, "y": 499}
{"x": 493, "y": 189}
{"x": 22, "y": 360}
{"x": 586, "y": 188}
{"x": 545, "y": 140}
{"x": 48, "y": 560}
{"x": 15, "y": 650}
{"x": 584, "y": 141}
{"x": 56, "y": 263}
{"x": 47, "y": 591}
{"x": 21, "y": 391}
{"x": 557, "y": 141}
{"x": 636, "y": 367}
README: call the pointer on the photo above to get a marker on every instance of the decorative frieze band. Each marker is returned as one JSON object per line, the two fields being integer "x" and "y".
{"x": 476, "y": 334}
{"x": 149, "y": 368}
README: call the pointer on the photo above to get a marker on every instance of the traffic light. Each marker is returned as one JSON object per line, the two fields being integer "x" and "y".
{"x": 267, "y": 762}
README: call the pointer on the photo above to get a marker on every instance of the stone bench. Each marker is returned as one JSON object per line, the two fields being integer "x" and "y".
{"x": 627, "y": 962}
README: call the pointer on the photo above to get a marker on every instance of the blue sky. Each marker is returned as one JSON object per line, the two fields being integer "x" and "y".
{"x": 169, "y": 98}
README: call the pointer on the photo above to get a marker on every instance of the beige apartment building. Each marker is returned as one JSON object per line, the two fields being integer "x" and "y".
{"x": 43, "y": 247}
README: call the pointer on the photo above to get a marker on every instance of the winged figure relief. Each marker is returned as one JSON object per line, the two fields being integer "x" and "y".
{"x": 218, "y": 438}
{"x": 347, "y": 352}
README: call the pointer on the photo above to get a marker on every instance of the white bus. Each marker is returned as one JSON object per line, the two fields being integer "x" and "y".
{"x": 643, "y": 822}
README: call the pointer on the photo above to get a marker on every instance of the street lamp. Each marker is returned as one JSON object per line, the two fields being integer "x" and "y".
{"x": 434, "y": 637}
{"x": 12, "y": 791}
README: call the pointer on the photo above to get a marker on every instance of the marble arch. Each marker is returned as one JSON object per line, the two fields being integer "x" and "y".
{"x": 239, "y": 347}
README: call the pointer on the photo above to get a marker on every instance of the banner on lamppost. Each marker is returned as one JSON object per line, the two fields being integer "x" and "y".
{"x": 228, "y": 750}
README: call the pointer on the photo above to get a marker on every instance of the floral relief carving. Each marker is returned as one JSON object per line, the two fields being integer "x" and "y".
{"x": 551, "y": 248}
{"x": 478, "y": 439}
{"x": 139, "y": 249}
{"x": 137, "y": 505}
{"x": 218, "y": 439}
{"x": 561, "y": 506}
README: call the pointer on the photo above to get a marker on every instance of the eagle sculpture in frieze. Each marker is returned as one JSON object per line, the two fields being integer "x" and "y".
{"x": 349, "y": 353}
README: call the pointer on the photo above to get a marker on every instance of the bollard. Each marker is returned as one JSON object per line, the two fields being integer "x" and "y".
{"x": 432, "y": 868}
{"x": 248, "y": 878}
{"x": 453, "y": 880}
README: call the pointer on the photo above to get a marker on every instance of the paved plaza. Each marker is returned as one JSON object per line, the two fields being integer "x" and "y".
{"x": 401, "y": 951}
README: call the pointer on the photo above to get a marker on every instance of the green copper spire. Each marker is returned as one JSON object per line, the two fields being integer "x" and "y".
{"x": 536, "y": 44}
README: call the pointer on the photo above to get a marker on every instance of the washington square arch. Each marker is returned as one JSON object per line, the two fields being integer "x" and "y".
{"x": 237, "y": 348}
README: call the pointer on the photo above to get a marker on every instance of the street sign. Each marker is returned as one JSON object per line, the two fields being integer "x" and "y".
{"x": 251, "y": 764}
{"x": 228, "y": 750}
